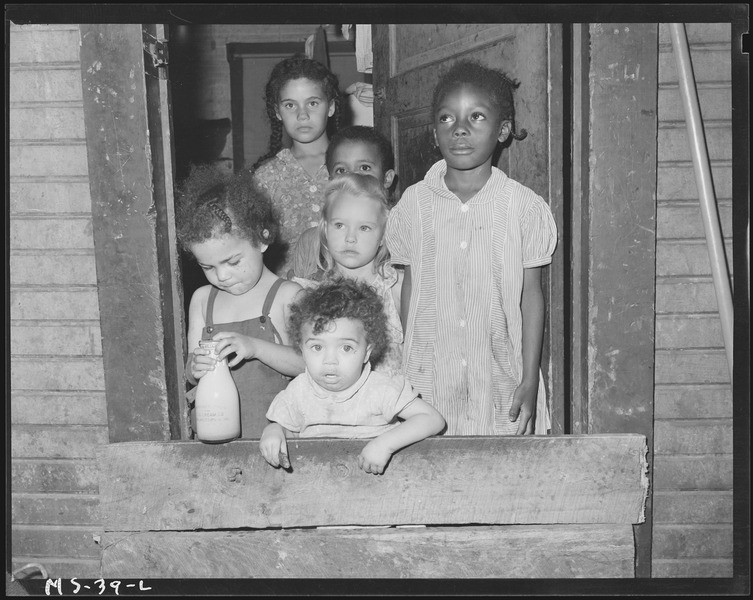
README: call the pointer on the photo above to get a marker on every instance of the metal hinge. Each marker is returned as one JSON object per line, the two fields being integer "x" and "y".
{"x": 157, "y": 50}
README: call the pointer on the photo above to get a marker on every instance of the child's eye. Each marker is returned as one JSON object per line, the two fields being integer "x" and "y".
{"x": 477, "y": 116}
{"x": 444, "y": 118}
{"x": 339, "y": 170}
{"x": 316, "y": 347}
{"x": 365, "y": 228}
{"x": 234, "y": 264}
{"x": 336, "y": 225}
{"x": 314, "y": 103}
{"x": 288, "y": 105}
{"x": 365, "y": 168}
{"x": 348, "y": 348}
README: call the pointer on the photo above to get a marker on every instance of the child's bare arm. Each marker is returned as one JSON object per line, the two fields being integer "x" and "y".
{"x": 273, "y": 444}
{"x": 198, "y": 362}
{"x": 421, "y": 420}
{"x": 284, "y": 359}
{"x": 532, "y": 309}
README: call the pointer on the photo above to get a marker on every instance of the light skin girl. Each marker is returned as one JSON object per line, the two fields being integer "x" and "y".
{"x": 304, "y": 109}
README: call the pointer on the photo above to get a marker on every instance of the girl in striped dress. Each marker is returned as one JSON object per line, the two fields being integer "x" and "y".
{"x": 473, "y": 242}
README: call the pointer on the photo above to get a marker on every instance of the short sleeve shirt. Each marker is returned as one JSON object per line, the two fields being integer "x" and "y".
{"x": 365, "y": 410}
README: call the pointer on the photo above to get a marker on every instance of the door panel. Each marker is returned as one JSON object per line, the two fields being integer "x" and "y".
{"x": 408, "y": 62}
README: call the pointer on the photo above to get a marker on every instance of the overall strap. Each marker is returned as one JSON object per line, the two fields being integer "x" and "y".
{"x": 209, "y": 319}
{"x": 268, "y": 307}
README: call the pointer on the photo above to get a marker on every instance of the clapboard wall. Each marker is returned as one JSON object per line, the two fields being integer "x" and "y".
{"x": 692, "y": 498}
{"x": 58, "y": 411}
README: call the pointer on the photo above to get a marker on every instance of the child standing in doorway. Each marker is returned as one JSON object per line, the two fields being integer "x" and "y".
{"x": 473, "y": 242}
{"x": 351, "y": 238}
{"x": 302, "y": 95}
{"x": 227, "y": 225}
{"x": 356, "y": 149}
{"x": 338, "y": 327}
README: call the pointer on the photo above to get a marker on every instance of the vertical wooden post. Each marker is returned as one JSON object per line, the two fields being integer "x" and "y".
{"x": 124, "y": 220}
{"x": 622, "y": 238}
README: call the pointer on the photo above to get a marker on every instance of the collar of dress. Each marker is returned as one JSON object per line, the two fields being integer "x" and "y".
{"x": 434, "y": 179}
{"x": 342, "y": 395}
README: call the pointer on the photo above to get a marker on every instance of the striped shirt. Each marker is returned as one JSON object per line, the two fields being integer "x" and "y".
{"x": 463, "y": 343}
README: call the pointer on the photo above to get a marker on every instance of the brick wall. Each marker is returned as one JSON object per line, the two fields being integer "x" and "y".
{"x": 692, "y": 498}
{"x": 58, "y": 411}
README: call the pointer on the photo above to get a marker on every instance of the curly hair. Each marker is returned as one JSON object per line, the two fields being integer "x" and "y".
{"x": 211, "y": 204}
{"x": 340, "y": 299}
{"x": 352, "y": 184}
{"x": 297, "y": 66}
{"x": 496, "y": 84}
{"x": 366, "y": 135}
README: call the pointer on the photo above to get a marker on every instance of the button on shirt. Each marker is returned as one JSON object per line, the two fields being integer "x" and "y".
{"x": 463, "y": 346}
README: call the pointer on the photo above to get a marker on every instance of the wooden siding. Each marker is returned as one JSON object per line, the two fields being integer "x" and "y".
{"x": 58, "y": 415}
{"x": 692, "y": 502}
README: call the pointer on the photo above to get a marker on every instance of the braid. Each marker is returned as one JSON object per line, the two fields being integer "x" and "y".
{"x": 275, "y": 141}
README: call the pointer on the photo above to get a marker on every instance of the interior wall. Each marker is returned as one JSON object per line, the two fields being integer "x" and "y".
{"x": 200, "y": 74}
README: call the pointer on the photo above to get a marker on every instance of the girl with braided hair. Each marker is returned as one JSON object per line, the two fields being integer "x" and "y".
{"x": 303, "y": 100}
{"x": 227, "y": 225}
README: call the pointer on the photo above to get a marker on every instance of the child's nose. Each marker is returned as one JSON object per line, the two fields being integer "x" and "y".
{"x": 303, "y": 114}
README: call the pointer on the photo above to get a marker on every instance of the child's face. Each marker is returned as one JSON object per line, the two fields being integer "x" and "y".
{"x": 467, "y": 128}
{"x": 335, "y": 357}
{"x": 304, "y": 109}
{"x": 232, "y": 264}
{"x": 355, "y": 227}
{"x": 362, "y": 158}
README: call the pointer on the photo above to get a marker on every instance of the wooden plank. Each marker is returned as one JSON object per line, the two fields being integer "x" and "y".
{"x": 693, "y": 436}
{"x": 124, "y": 215}
{"x": 56, "y": 268}
{"x": 56, "y": 339}
{"x": 693, "y": 507}
{"x": 675, "y": 473}
{"x": 58, "y": 408}
{"x": 693, "y": 401}
{"x": 691, "y": 568}
{"x": 692, "y": 366}
{"x": 54, "y": 441}
{"x": 673, "y": 141}
{"x": 51, "y": 234}
{"x": 683, "y": 220}
{"x": 57, "y": 509}
{"x": 694, "y": 331}
{"x": 676, "y": 181}
{"x": 621, "y": 237}
{"x": 35, "y": 373}
{"x": 685, "y": 295}
{"x": 693, "y": 541}
{"x": 54, "y": 304}
{"x": 469, "y": 552}
{"x": 56, "y": 475}
{"x": 451, "y": 480}
{"x": 57, "y": 540}
{"x": 715, "y": 102}
{"x": 687, "y": 257}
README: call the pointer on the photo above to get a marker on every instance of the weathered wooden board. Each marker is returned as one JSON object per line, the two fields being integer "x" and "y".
{"x": 513, "y": 551}
{"x": 449, "y": 480}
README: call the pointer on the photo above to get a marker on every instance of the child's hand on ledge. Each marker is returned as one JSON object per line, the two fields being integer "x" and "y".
{"x": 374, "y": 457}
{"x": 274, "y": 446}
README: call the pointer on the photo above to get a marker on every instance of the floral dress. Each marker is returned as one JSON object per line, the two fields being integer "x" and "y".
{"x": 296, "y": 196}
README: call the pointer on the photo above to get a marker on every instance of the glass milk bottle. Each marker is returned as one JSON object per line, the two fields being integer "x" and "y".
{"x": 218, "y": 413}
